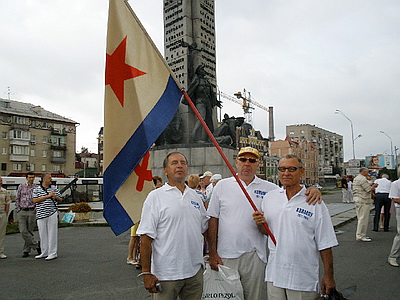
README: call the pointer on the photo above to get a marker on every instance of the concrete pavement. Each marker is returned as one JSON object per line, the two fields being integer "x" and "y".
{"x": 92, "y": 264}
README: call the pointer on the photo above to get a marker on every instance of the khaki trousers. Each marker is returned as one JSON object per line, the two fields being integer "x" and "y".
{"x": 252, "y": 274}
{"x": 275, "y": 293}
{"x": 363, "y": 209}
{"x": 3, "y": 228}
{"x": 187, "y": 289}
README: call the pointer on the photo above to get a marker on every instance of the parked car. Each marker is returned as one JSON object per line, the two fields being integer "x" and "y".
{"x": 318, "y": 186}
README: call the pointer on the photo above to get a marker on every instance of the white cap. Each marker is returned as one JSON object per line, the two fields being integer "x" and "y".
{"x": 215, "y": 177}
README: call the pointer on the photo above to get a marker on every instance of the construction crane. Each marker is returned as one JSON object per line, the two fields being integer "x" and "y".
{"x": 246, "y": 102}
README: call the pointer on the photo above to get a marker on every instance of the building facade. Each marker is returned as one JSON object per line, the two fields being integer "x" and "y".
{"x": 329, "y": 145}
{"x": 189, "y": 42}
{"x": 35, "y": 140}
{"x": 305, "y": 150}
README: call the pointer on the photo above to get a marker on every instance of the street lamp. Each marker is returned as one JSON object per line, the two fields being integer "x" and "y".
{"x": 352, "y": 130}
{"x": 391, "y": 143}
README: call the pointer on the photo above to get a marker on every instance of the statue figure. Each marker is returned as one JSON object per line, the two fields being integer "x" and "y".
{"x": 226, "y": 133}
{"x": 173, "y": 133}
{"x": 201, "y": 92}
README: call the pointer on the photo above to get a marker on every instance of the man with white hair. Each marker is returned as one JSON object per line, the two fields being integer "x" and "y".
{"x": 382, "y": 199}
{"x": 362, "y": 190}
{"x": 395, "y": 196}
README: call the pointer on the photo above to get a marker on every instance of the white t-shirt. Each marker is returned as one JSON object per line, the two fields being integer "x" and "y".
{"x": 395, "y": 191}
{"x": 237, "y": 232}
{"x": 175, "y": 222}
{"x": 383, "y": 185}
{"x": 301, "y": 231}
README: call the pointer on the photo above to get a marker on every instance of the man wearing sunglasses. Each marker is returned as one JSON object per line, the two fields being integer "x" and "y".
{"x": 303, "y": 233}
{"x": 234, "y": 239}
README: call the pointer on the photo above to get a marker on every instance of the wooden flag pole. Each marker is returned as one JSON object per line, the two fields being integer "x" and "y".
{"x": 212, "y": 138}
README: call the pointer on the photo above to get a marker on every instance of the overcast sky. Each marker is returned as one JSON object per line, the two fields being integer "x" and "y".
{"x": 304, "y": 58}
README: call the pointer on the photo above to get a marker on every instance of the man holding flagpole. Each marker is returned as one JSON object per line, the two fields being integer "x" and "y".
{"x": 172, "y": 223}
{"x": 234, "y": 239}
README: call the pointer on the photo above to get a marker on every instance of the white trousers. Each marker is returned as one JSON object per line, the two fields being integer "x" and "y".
{"x": 48, "y": 232}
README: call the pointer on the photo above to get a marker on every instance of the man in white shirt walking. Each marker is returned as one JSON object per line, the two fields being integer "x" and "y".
{"x": 172, "y": 223}
{"x": 382, "y": 199}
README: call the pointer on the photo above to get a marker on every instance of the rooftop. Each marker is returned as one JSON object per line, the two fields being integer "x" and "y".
{"x": 29, "y": 110}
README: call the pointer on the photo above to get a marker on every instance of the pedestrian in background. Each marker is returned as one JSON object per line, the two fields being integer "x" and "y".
{"x": 395, "y": 196}
{"x": 362, "y": 192}
{"x": 4, "y": 209}
{"x": 46, "y": 198}
{"x": 26, "y": 214}
{"x": 382, "y": 200}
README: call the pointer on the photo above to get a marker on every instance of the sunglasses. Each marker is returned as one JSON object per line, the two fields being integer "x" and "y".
{"x": 290, "y": 169}
{"x": 250, "y": 159}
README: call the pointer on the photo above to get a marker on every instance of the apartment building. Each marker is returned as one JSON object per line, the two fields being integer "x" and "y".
{"x": 35, "y": 140}
{"x": 329, "y": 145}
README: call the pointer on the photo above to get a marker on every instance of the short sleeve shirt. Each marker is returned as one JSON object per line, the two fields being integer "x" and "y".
{"x": 47, "y": 207}
{"x": 395, "y": 191}
{"x": 175, "y": 222}
{"x": 237, "y": 231}
{"x": 301, "y": 231}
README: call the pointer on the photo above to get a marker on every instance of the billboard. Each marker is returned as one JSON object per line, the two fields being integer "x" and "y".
{"x": 379, "y": 161}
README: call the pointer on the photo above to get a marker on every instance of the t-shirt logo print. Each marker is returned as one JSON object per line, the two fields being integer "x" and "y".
{"x": 260, "y": 194}
{"x": 195, "y": 204}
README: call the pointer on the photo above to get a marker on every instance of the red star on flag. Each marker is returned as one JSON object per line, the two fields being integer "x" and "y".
{"x": 117, "y": 71}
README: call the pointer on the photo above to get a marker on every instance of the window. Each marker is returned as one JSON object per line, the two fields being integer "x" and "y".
{"x": 33, "y": 152}
{"x": 56, "y": 168}
{"x": 4, "y": 135}
{"x": 20, "y": 150}
{"x": 57, "y": 154}
{"x": 19, "y": 134}
{"x": 44, "y": 153}
{"x": 33, "y": 139}
{"x": 17, "y": 167}
{"x": 43, "y": 168}
{"x": 4, "y": 151}
{"x": 20, "y": 120}
{"x": 30, "y": 167}
{"x": 3, "y": 166}
{"x": 291, "y": 133}
{"x": 44, "y": 139}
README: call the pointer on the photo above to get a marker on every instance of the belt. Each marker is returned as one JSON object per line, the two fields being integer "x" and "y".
{"x": 27, "y": 209}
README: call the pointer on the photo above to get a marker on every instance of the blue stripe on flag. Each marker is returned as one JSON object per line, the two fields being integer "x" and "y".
{"x": 130, "y": 155}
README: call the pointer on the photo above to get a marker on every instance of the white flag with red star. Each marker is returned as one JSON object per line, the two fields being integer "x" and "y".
{"x": 141, "y": 98}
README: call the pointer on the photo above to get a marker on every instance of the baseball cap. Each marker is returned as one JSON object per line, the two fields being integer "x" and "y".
{"x": 250, "y": 150}
{"x": 206, "y": 173}
{"x": 216, "y": 177}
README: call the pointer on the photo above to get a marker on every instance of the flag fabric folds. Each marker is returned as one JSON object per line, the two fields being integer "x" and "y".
{"x": 141, "y": 98}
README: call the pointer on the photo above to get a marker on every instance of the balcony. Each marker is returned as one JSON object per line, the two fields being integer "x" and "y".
{"x": 58, "y": 160}
{"x": 20, "y": 126}
{"x": 56, "y": 131}
{"x": 59, "y": 146}
{"x": 19, "y": 157}
{"x": 20, "y": 142}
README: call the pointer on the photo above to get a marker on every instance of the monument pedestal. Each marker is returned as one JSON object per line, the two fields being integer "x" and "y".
{"x": 201, "y": 157}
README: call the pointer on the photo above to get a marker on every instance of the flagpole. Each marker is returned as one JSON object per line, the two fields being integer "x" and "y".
{"x": 212, "y": 138}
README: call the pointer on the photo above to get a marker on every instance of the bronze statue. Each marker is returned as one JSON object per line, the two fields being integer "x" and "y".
{"x": 201, "y": 92}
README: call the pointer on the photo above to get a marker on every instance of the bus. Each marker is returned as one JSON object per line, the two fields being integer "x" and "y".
{"x": 72, "y": 190}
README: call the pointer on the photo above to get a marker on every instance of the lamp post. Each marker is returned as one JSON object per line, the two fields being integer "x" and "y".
{"x": 391, "y": 143}
{"x": 352, "y": 130}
